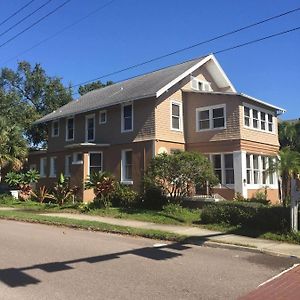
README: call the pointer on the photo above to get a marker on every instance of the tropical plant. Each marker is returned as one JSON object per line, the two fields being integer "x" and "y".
{"x": 289, "y": 135}
{"x": 22, "y": 181}
{"x": 41, "y": 194}
{"x": 103, "y": 185}
{"x": 13, "y": 147}
{"x": 124, "y": 196}
{"x": 62, "y": 192}
{"x": 288, "y": 166}
{"x": 177, "y": 174}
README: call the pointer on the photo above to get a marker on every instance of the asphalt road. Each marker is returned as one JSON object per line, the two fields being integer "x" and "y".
{"x": 45, "y": 262}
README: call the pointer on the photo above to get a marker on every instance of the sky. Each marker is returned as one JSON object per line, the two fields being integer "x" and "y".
{"x": 127, "y": 32}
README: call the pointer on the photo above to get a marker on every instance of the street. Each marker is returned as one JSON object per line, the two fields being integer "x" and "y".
{"x": 47, "y": 262}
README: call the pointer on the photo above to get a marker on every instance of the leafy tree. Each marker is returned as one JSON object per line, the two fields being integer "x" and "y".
{"x": 289, "y": 135}
{"x": 177, "y": 174}
{"x": 288, "y": 165}
{"x": 13, "y": 148}
{"x": 28, "y": 94}
{"x": 83, "y": 89}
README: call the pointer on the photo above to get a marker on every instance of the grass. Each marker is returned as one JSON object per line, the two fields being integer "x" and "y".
{"x": 90, "y": 225}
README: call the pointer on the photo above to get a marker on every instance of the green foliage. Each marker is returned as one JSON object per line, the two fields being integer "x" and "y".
{"x": 103, "y": 185}
{"x": 28, "y": 94}
{"x": 124, "y": 196}
{"x": 261, "y": 196}
{"x": 83, "y": 89}
{"x": 41, "y": 194}
{"x": 62, "y": 192}
{"x": 153, "y": 197}
{"x": 177, "y": 174}
{"x": 289, "y": 135}
{"x": 248, "y": 215}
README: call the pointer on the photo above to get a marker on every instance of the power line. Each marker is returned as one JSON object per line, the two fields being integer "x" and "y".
{"x": 25, "y": 18}
{"x": 215, "y": 52}
{"x": 35, "y": 23}
{"x": 16, "y": 12}
{"x": 62, "y": 30}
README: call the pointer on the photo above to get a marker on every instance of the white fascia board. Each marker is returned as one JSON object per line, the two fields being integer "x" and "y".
{"x": 183, "y": 75}
{"x": 264, "y": 103}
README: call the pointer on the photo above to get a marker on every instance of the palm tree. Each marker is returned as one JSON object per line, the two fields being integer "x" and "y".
{"x": 13, "y": 147}
{"x": 288, "y": 135}
{"x": 287, "y": 166}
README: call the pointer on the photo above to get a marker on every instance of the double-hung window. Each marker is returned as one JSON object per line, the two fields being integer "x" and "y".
{"x": 270, "y": 122}
{"x": 53, "y": 166}
{"x": 43, "y": 166}
{"x": 217, "y": 164}
{"x": 102, "y": 117}
{"x": 126, "y": 166}
{"x": 90, "y": 128}
{"x": 211, "y": 118}
{"x": 55, "y": 129}
{"x": 223, "y": 167}
{"x": 68, "y": 163}
{"x": 70, "y": 129}
{"x": 95, "y": 162}
{"x": 255, "y": 118}
{"x": 176, "y": 116}
{"x": 247, "y": 116}
{"x": 127, "y": 117}
{"x": 229, "y": 170}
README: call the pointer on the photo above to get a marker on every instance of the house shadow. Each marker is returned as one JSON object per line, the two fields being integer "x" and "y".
{"x": 17, "y": 277}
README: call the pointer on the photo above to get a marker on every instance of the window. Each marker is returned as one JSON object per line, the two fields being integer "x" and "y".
{"x": 258, "y": 171}
{"x": 229, "y": 170}
{"x": 52, "y": 166}
{"x": 210, "y": 118}
{"x": 68, "y": 163}
{"x": 127, "y": 118}
{"x": 126, "y": 166}
{"x": 70, "y": 129}
{"x": 247, "y": 116}
{"x": 200, "y": 85}
{"x": 43, "y": 166}
{"x": 77, "y": 158}
{"x": 95, "y": 162}
{"x": 55, "y": 129}
{"x": 176, "y": 116}
{"x": 102, "y": 117}
{"x": 257, "y": 119}
{"x": 217, "y": 164}
{"x": 90, "y": 128}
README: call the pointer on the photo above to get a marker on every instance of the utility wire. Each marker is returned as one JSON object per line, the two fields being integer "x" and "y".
{"x": 16, "y": 12}
{"x": 61, "y": 31}
{"x": 35, "y": 23}
{"x": 215, "y": 52}
{"x": 25, "y": 18}
{"x": 165, "y": 55}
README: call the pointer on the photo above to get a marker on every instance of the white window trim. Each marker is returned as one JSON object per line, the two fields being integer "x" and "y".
{"x": 102, "y": 112}
{"x": 260, "y": 184}
{"x": 87, "y": 117}
{"x": 52, "y": 174}
{"x": 203, "y": 82}
{"x": 223, "y": 170}
{"x": 67, "y": 139}
{"x": 180, "y": 116}
{"x": 88, "y": 161}
{"x": 52, "y": 128}
{"x": 125, "y": 180}
{"x": 44, "y": 173}
{"x": 122, "y": 117}
{"x": 75, "y": 161}
{"x": 267, "y": 112}
{"x": 68, "y": 171}
{"x": 210, "y": 109}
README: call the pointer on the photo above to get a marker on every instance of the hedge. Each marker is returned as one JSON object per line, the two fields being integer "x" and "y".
{"x": 248, "y": 215}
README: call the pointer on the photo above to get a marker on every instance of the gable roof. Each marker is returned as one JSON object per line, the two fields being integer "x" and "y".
{"x": 143, "y": 86}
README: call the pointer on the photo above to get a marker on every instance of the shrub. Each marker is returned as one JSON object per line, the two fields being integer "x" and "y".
{"x": 22, "y": 181}
{"x": 249, "y": 215}
{"x": 176, "y": 175}
{"x": 41, "y": 194}
{"x": 124, "y": 196}
{"x": 153, "y": 198}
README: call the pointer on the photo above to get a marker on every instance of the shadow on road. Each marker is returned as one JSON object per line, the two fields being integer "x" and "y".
{"x": 15, "y": 277}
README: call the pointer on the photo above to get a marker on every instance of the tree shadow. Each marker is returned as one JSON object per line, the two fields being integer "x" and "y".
{"x": 17, "y": 277}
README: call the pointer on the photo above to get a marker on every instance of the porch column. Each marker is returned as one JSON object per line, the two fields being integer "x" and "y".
{"x": 240, "y": 172}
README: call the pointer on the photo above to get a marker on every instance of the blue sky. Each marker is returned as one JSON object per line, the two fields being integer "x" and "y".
{"x": 127, "y": 32}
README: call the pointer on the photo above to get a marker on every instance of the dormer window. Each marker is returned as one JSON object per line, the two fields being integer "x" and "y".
{"x": 200, "y": 85}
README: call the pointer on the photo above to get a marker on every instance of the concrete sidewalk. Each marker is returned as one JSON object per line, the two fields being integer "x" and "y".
{"x": 262, "y": 245}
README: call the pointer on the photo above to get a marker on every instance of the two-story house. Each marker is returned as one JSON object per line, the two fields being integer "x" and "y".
{"x": 191, "y": 106}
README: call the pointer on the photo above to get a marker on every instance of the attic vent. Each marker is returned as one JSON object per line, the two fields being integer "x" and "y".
{"x": 199, "y": 85}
